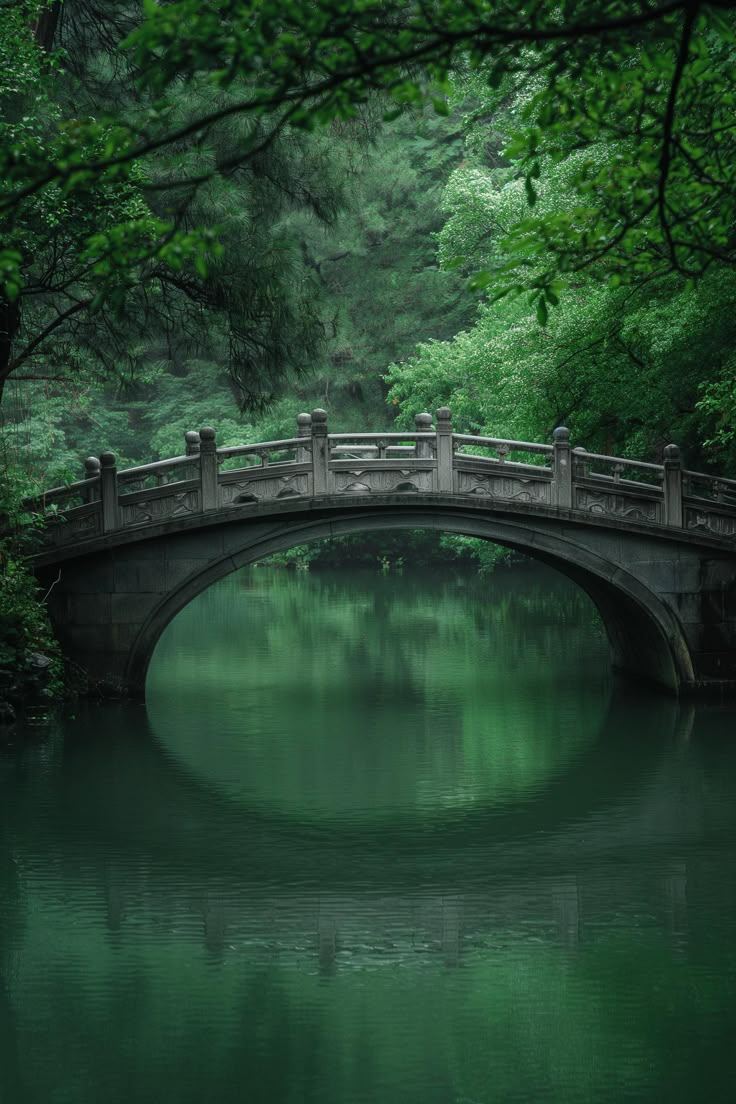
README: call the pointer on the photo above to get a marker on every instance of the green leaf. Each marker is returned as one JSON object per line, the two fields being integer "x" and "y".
{"x": 479, "y": 281}
{"x": 542, "y": 312}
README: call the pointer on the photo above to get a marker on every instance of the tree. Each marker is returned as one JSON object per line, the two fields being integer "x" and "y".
{"x": 655, "y": 75}
{"x": 377, "y": 290}
{"x": 109, "y": 275}
{"x": 628, "y": 106}
{"x": 628, "y": 366}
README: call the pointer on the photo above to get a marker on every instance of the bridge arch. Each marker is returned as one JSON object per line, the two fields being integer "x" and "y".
{"x": 645, "y": 637}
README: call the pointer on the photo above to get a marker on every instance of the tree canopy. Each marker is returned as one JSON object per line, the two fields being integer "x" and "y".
{"x": 655, "y": 77}
{"x": 156, "y": 165}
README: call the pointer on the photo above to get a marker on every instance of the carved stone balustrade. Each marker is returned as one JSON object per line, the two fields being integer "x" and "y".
{"x": 432, "y": 459}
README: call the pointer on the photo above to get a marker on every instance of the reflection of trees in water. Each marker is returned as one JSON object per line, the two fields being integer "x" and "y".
{"x": 523, "y": 606}
{"x": 347, "y": 1010}
{"x": 120, "y": 794}
{"x": 206, "y": 953}
{"x": 411, "y": 623}
{"x": 459, "y": 688}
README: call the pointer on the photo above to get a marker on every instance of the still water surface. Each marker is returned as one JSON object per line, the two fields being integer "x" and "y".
{"x": 398, "y": 840}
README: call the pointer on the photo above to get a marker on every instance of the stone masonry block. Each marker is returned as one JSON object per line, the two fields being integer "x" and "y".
{"x": 668, "y": 576}
{"x": 176, "y": 571}
{"x": 122, "y": 636}
{"x": 715, "y": 665}
{"x": 132, "y": 608}
{"x": 719, "y": 573}
{"x": 206, "y": 543}
{"x": 94, "y": 575}
{"x": 706, "y": 608}
{"x": 88, "y": 609}
{"x": 686, "y": 606}
{"x": 712, "y": 638}
{"x": 140, "y": 578}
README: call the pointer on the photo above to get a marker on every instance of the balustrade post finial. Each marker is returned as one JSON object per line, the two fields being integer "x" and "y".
{"x": 303, "y": 429}
{"x": 562, "y": 468}
{"x": 423, "y": 423}
{"x": 672, "y": 487}
{"x": 191, "y": 443}
{"x": 109, "y": 492}
{"x": 320, "y": 452}
{"x": 208, "y": 482}
{"x": 92, "y": 471}
{"x": 445, "y": 450}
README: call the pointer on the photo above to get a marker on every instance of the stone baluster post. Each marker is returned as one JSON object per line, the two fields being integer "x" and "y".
{"x": 673, "y": 512}
{"x": 579, "y": 467}
{"x": 562, "y": 489}
{"x": 109, "y": 492}
{"x": 303, "y": 429}
{"x": 91, "y": 470}
{"x": 320, "y": 452}
{"x": 191, "y": 443}
{"x": 423, "y": 422}
{"x": 444, "y": 451}
{"x": 209, "y": 487}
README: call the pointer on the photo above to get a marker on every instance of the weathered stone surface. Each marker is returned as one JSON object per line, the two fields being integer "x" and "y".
{"x": 660, "y": 567}
{"x": 131, "y": 608}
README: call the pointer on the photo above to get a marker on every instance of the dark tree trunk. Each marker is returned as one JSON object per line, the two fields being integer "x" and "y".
{"x": 9, "y": 326}
{"x": 46, "y": 25}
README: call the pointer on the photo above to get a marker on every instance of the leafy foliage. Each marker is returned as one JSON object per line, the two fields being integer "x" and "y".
{"x": 628, "y": 360}
{"x": 30, "y": 660}
{"x": 377, "y": 289}
{"x": 655, "y": 80}
{"x": 104, "y": 270}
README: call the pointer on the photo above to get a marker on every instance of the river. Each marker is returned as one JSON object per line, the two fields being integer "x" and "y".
{"x": 398, "y": 839}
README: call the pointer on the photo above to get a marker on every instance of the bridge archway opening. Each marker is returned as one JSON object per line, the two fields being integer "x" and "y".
{"x": 645, "y": 641}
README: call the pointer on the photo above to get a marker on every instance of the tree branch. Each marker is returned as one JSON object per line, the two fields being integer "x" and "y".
{"x": 443, "y": 41}
{"x": 75, "y": 308}
{"x": 665, "y": 160}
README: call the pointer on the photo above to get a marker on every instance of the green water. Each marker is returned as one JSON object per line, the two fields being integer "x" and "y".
{"x": 398, "y": 840}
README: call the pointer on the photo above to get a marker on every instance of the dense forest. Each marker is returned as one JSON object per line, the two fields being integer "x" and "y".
{"x": 226, "y": 211}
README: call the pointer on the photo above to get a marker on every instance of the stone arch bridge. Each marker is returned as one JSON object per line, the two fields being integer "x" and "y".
{"x": 653, "y": 545}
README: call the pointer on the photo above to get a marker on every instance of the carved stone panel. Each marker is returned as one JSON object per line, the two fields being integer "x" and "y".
{"x": 264, "y": 488}
{"x": 611, "y": 504}
{"x": 77, "y": 525}
{"x": 159, "y": 508}
{"x": 708, "y": 521}
{"x": 382, "y": 481}
{"x": 90, "y": 525}
{"x": 512, "y": 488}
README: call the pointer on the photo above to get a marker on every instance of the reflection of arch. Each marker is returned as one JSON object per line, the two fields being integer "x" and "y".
{"x": 175, "y": 812}
{"x": 645, "y": 637}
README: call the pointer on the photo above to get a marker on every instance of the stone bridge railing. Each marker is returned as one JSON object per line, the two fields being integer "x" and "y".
{"x": 426, "y": 461}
